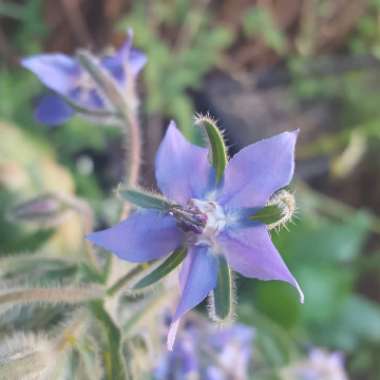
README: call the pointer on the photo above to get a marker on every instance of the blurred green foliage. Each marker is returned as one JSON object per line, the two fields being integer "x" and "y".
{"x": 258, "y": 22}
{"x": 177, "y": 61}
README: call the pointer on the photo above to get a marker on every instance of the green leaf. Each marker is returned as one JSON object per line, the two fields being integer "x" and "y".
{"x": 145, "y": 199}
{"x": 357, "y": 322}
{"x": 218, "y": 150}
{"x": 223, "y": 293}
{"x": 162, "y": 270}
{"x": 268, "y": 215}
{"x": 278, "y": 301}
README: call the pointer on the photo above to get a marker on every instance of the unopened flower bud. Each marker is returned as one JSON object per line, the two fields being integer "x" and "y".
{"x": 47, "y": 210}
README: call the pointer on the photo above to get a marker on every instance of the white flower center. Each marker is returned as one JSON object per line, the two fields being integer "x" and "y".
{"x": 216, "y": 220}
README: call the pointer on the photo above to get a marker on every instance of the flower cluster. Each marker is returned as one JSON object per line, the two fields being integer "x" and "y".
{"x": 204, "y": 351}
{"x": 210, "y": 219}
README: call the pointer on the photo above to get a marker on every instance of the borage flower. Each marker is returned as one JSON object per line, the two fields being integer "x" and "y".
{"x": 209, "y": 217}
{"x": 72, "y": 85}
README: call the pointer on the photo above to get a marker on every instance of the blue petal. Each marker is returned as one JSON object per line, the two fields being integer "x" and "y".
{"x": 115, "y": 66}
{"x": 250, "y": 251}
{"x": 201, "y": 274}
{"x": 126, "y": 59}
{"x": 141, "y": 237}
{"x": 182, "y": 169}
{"x": 56, "y": 71}
{"x": 137, "y": 60}
{"x": 86, "y": 98}
{"x": 53, "y": 110}
{"x": 259, "y": 170}
{"x": 201, "y": 269}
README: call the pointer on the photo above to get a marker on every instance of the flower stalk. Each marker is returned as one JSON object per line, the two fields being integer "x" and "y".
{"x": 68, "y": 295}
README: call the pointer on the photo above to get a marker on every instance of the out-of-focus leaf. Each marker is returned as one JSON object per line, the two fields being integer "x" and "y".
{"x": 279, "y": 301}
{"x": 326, "y": 288}
{"x": 358, "y": 322}
{"x": 274, "y": 346}
{"x": 319, "y": 240}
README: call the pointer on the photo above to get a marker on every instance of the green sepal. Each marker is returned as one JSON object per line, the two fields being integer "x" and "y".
{"x": 164, "y": 269}
{"x": 268, "y": 215}
{"x": 102, "y": 78}
{"x": 222, "y": 296}
{"x": 99, "y": 113}
{"x": 218, "y": 149}
{"x": 144, "y": 199}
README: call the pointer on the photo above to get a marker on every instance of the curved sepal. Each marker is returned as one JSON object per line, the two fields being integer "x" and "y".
{"x": 164, "y": 269}
{"x": 218, "y": 150}
{"x": 222, "y": 297}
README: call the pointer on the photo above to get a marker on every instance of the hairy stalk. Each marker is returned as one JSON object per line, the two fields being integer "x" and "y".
{"x": 132, "y": 133}
{"x": 132, "y": 146}
{"x": 69, "y": 295}
{"x": 112, "y": 356}
{"x": 125, "y": 103}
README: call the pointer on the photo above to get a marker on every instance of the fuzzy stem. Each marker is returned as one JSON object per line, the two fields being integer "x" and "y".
{"x": 52, "y": 295}
{"x": 132, "y": 142}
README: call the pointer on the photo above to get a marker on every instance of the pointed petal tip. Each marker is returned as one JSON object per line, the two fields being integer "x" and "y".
{"x": 27, "y": 62}
{"x": 172, "y": 335}
{"x": 172, "y": 132}
{"x": 172, "y": 124}
{"x": 293, "y": 133}
{"x": 91, "y": 237}
{"x": 130, "y": 33}
{"x": 296, "y": 131}
{"x": 300, "y": 292}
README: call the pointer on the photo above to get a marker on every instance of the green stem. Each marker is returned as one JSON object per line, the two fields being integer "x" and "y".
{"x": 129, "y": 276}
{"x": 113, "y": 359}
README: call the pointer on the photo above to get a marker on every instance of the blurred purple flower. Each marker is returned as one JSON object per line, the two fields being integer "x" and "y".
{"x": 184, "y": 175}
{"x": 320, "y": 365}
{"x": 68, "y": 80}
{"x": 203, "y": 351}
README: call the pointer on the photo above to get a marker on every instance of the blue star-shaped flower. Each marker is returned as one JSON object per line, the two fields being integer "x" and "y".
{"x": 68, "y": 80}
{"x": 184, "y": 175}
